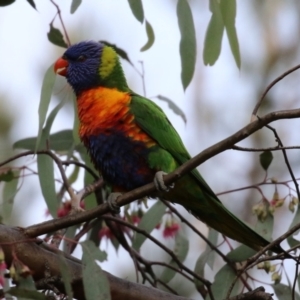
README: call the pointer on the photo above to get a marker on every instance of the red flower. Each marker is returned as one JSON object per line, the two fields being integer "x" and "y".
{"x": 135, "y": 219}
{"x": 64, "y": 209}
{"x": 105, "y": 232}
{"x": 3, "y": 267}
{"x": 171, "y": 229}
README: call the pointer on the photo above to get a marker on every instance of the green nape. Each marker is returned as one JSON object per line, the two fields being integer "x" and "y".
{"x": 110, "y": 70}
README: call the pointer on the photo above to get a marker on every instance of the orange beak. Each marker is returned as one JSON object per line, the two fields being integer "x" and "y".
{"x": 61, "y": 67}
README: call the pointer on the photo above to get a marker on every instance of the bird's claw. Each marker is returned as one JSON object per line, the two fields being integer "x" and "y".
{"x": 75, "y": 203}
{"x": 159, "y": 182}
{"x": 112, "y": 203}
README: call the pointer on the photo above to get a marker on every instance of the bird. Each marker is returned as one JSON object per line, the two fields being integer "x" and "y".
{"x": 131, "y": 142}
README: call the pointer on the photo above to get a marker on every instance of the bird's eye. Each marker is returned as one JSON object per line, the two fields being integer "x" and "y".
{"x": 81, "y": 58}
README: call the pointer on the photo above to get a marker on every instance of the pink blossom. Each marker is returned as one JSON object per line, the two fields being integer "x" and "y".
{"x": 171, "y": 229}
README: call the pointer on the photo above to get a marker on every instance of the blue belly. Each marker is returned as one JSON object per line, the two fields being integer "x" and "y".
{"x": 121, "y": 160}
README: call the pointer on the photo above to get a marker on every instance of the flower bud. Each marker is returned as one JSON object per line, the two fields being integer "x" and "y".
{"x": 295, "y": 200}
{"x": 292, "y": 206}
{"x": 276, "y": 277}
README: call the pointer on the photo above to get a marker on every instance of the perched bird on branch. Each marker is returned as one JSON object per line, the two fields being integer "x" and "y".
{"x": 132, "y": 142}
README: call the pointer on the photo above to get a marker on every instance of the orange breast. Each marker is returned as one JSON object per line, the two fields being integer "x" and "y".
{"x": 104, "y": 110}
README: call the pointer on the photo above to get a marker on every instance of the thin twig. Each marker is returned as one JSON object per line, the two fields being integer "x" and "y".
{"x": 159, "y": 244}
{"x": 254, "y": 112}
{"x": 276, "y": 148}
{"x": 62, "y": 23}
{"x": 82, "y": 165}
{"x": 295, "y": 280}
{"x": 285, "y": 159}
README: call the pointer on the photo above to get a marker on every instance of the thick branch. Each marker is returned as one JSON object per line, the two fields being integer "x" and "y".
{"x": 42, "y": 259}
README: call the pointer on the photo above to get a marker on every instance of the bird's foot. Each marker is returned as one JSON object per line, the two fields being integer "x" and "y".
{"x": 159, "y": 182}
{"x": 112, "y": 202}
{"x": 75, "y": 202}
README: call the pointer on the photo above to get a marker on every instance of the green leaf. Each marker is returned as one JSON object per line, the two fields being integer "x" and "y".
{"x": 207, "y": 257}
{"x": 56, "y": 37}
{"x": 148, "y": 222}
{"x": 6, "y": 2}
{"x": 150, "y": 35}
{"x": 187, "y": 46}
{"x": 214, "y": 35}
{"x": 228, "y": 10}
{"x": 181, "y": 249}
{"x": 60, "y": 141}
{"x": 223, "y": 280}
{"x": 75, "y": 4}
{"x": 51, "y": 118}
{"x": 25, "y": 294}
{"x": 199, "y": 267}
{"x": 9, "y": 192}
{"x": 213, "y": 238}
{"x": 69, "y": 236}
{"x": 46, "y": 177}
{"x": 265, "y": 159}
{"x": 284, "y": 292}
{"x": 291, "y": 241}
{"x": 90, "y": 251}
{"x": 65, "y": 276}
{"x": 136, "y": 7}
{"x": 76, "y": 121}
{"x": 265, "y": 228}
{"x": 122, "y": 53}
{"x": 90, "y": 201}
{"x": 46, "y": 91}
{"x": 6, "y": 175}
{"x": 96, "y": 285}
{"x": 31, "y": 2}
{"x": 176, "y": 109}
{"x": 240, "y": 253}
{"x": 44, "y": 136}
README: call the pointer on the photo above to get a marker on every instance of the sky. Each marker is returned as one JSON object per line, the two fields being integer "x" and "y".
{"x": 218, "y": 102}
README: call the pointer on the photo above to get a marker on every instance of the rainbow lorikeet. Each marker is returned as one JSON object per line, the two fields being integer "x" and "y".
{"x": 130, "y": 139}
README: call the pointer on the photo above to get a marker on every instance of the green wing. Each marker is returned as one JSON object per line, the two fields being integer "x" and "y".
{"x": 155, "y": 123}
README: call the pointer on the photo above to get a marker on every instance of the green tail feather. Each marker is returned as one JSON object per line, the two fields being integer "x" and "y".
{"x": 199, "y": 199}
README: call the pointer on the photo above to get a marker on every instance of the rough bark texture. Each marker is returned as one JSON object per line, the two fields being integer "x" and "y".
{"x": 43, "y": 259}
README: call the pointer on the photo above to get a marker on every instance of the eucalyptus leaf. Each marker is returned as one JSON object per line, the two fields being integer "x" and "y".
{"x": 187, "y": 46}
{"x": 60, "y": 141}
{"x": 136, "y": 7}
{"x": 181, "y": 249}
{"x": 296, "y": 220}
{"x": 284, "y": 292}
{"x": 46, "y": 177}
{"x": 148, "y": 222}
{"x": 46, "y": 92}
{"x": 55, "y": 37}
{"x": 95, "y": 283}
{"x": 150, "y": 35}
{"x": 75, "y": 4}
{"x": 265, "y": 159}
{"x": 31, "y": 2}
{"x": 223, "y": 281}
{"x": 214, "y": 35}
{"x": 228, "y": 10}
{"x": 172, "y": 105}
{"x": 65, "y": 276}
{"x": 9, "y": 192}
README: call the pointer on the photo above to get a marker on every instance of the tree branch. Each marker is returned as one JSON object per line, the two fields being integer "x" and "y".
{"x": 53, "y": 225}
{"x": 41, "y": 258}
